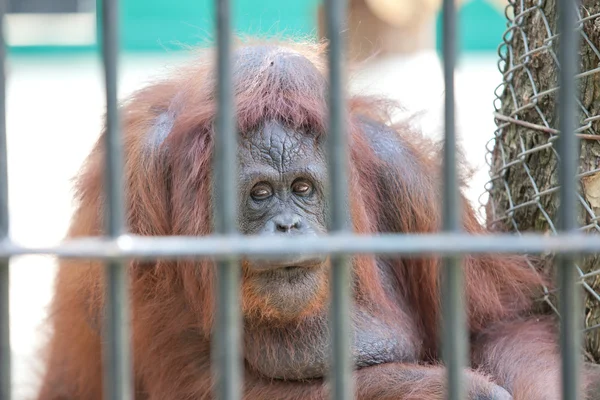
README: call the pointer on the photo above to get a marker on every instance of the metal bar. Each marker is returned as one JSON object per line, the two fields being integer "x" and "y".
{"x": 4, "y": 223}
{"x": 454, "y": 342}
{"x": 568, "y": 149}
{"x": 118, "y": 370}
{"x": 5, "y": 349}
{"x": 227, "y": 336}
{"x": 337, "y": 140}
{"x": 117, "y": 367}
{"x": 451, "y": 204}
{"x": 223, "y": 247}
{"x": 341, "y": 331}
{"x": 114, "y": 157}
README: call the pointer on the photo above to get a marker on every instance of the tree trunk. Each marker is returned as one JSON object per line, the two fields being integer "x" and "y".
{"x": 524, "y": 176}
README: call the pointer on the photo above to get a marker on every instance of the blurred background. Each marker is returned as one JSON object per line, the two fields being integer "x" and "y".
{"x": 56, "y": 100}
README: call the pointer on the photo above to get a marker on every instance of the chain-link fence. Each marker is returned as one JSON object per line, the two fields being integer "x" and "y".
{"x": 524, "y": 185}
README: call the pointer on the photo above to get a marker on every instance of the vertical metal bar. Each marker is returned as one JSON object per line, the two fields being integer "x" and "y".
{"x": 117, "y": 366}
{"x": 342, "y": 385}
{"x": 227, "y": 336}
{"x": 568, "y": 149}
{"x": 5, "y": 351}
{"x": 454, "y": 343}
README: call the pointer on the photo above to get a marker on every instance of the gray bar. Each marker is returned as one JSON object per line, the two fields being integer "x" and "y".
{"x": 5, "y": 356}
{"x": 227, "y": 336}
{"x": 341, "y": 330}
{"x": 568, "y": 149}
{"x": 224, "y": 247}
{"x": 114, "y": 157}
{"x": 454, "y": 339}
{"x": 454, "y": 342}
{"x": 5, "y": 351}
{"x": 3, "y": 146}
{"x": 451, "y": 203}
{"x": 118, "y": 369}
{"x": 335, "y": 11}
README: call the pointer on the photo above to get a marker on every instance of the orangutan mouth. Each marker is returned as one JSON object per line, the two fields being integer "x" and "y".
{"x": 288, "y": 264}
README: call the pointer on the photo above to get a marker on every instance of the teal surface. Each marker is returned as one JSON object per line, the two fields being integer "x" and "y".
{"x": 160, "y": 25}
{"x": 480, "y": 27}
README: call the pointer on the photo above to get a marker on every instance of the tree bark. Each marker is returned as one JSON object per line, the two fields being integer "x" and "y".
{"x": 523, "y": 193}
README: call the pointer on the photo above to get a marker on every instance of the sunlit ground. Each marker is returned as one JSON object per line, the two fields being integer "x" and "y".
{"x": 55, "y": 108}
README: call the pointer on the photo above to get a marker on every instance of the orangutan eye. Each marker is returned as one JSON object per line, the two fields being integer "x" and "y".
{"x": 261, "y": 192}
{"x": 301, "y": 188}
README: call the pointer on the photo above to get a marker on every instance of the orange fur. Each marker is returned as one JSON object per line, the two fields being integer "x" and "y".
{"x": 168, "y": 193}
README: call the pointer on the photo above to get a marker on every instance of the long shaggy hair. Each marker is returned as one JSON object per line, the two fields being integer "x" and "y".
{"x": 169, "y": 133}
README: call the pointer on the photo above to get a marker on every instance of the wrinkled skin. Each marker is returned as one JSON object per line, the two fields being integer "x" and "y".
{"x": 282, "y": 180}
{"x": 281, "y": 193}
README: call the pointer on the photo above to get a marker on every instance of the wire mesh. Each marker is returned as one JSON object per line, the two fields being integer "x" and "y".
{"x": 523, "y": 155}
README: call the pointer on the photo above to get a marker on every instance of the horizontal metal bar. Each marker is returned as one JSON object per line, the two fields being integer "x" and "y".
{"x": 224, "y": 247}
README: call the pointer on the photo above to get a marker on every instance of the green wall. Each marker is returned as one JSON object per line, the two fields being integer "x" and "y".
{"x": 480, "y": 27}
{"x": 160, "y": 25}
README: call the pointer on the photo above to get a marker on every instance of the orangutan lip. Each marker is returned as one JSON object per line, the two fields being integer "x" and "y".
{"x": 292, "y": 268}
{"x": 295, "y": 266}
{"x": 291, "y": 265}
{"x": 289, "y": 271}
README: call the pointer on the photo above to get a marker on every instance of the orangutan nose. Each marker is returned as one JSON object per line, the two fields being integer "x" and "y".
{"x": 286, "y": 222}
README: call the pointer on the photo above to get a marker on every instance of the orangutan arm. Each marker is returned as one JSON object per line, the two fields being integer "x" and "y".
{"x": 524, "y": 357}
{"x": 389, "y": 381}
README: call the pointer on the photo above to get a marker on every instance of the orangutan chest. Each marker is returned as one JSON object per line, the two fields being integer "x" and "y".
{"x": 303, "y": 351}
